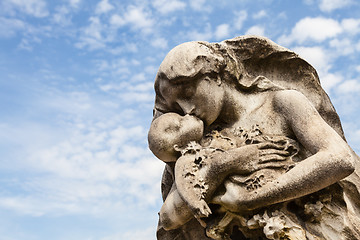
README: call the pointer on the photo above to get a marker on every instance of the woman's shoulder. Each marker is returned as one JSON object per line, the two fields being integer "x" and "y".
{"x": 287, "y": 94}
{"x": 287, "y": 100}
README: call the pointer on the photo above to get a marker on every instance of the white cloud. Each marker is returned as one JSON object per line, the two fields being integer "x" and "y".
{"x": 136, "y": 17}
{"x": 116, "y": 67}
{"x": 240, "y": 18}
{"x": 256, "y": 30}
{"x": 283, "y": 16}
{"x": 196, "y": 35}
{"x": 330, "y": 80}
{"x": 138, "y": 77}
{"x": 349, "y": 86}
{"x": 98, "y": 35}
{"x": 117, "y": 20}
{"x": 9, "y": 27}
{"x": 74, "y": 3}
{"x": 137, "y": 90}
{"x": 168, "y": 6}
{"x": 125, "y": 47}
{"x": 36, "y": 8}
{"x": 34, "y": 35}
{"x": 309, "y": 2}
{"x": 330, "y": 5}
{"x": 161, "y": 43}
{"x": 351, "y": 25}
{"x": 61, "y": 16}
{"x": 92, "y": 35}
{"x": 138, "y": 97}
{"x": 94, "y": 29}
{"x": 343, "y": 46}
{"x": 199, "y": 5}
{"x": 101, "y": 167}
{"x": 312, "y": 29}
{"x": 259, "y": 14}
{"x": 103, "y": 7}
{"x": 151, "y": 69}
{"x": 222, "y": 31}
{"x": 75, "y": 102}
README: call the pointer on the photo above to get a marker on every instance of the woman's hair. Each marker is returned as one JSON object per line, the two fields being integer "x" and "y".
{"x": 186, "y": 62}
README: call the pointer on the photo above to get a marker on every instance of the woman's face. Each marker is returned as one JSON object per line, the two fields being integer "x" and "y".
{"x": 202, "y": 98}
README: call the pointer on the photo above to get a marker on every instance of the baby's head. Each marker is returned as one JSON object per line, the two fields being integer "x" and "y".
{"x": 172, "y": 129}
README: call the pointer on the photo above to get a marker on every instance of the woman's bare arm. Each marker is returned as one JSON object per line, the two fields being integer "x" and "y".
{"x": 332, "y": 158}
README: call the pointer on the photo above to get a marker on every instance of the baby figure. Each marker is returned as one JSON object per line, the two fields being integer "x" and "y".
{"x": 203, "y": 162}
{"x": 175, "y": 138}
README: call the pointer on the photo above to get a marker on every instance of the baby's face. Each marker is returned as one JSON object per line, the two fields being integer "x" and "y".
{"x": 172, "y": 129}
{"x": 178, "y": 129}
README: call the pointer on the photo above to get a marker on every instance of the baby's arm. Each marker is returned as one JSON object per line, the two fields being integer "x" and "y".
{"x": 174, "y": 212}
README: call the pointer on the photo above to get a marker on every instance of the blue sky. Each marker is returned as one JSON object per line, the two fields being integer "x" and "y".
{"x": 76, "y": 98}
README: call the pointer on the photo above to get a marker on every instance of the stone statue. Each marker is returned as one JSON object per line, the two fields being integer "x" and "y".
{"x": 253, "y": 146}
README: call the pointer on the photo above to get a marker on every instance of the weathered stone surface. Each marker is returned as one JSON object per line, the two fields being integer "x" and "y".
{"x": 253, "y": 146}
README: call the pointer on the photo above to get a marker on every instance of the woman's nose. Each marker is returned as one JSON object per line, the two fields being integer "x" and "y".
{"x": 186, "y": 107}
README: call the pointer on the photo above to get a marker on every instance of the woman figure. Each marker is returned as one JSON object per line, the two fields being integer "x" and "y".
{"x": 246, "y": 82}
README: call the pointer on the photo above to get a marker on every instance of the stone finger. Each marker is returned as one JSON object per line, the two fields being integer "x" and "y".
{"x": 271, "y": 157}
{"x": 277, "y": 164}
{"x": 270, "y": 145}
{"x": 264, "y": 152}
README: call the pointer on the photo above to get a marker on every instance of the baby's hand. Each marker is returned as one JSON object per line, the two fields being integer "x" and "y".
{"x": 200, "y": 210}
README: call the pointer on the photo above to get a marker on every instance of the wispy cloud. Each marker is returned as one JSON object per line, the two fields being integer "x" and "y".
{"x": 222, "y": 31}
{"x": 259, "y": 14}
{"x": 166, "y": 6}
{"x": 86, "y": 172}
{"x": 200, "y": 5}
{"x": 240, "y": 18}
{"x": 10, "y": 26}
{"x": 313, "y": 29}
{"x": 349, "y": 86}
{"x": 92, "y": 35}
{"x": 103, "y": 7}
{"x": 256, "y": 30}
{"x": 62, "y": 16}
{"x": 74, "y": 3}
{"x": 331, "y": 5}
{"x": 36, "y": 8}
{"x": 160, "y": 42}
{"x": 135, "y": 16}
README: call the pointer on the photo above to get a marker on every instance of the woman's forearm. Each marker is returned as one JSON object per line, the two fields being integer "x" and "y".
{"x": 312, "y": 174}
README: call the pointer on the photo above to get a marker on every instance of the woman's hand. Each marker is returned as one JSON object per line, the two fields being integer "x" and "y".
{"x": 273, "y": 155}
{"x": 254, "y": 157}
{"x": 269, "y": 154}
